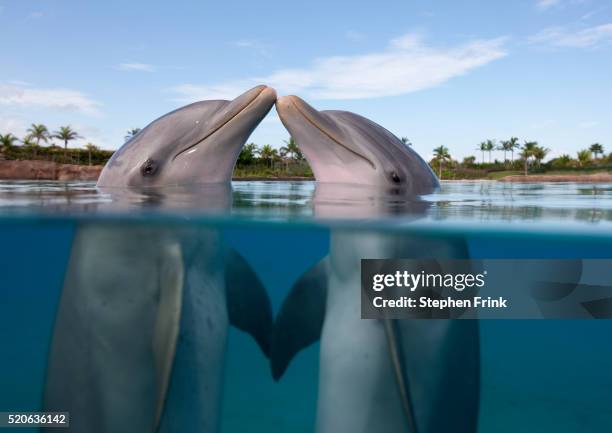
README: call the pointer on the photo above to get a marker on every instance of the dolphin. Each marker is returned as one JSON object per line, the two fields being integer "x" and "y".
{"x": 344, "y": 147}
{"x": 140, "y": 332}
{"x": 196, "y": 144}
{"x": 375, "y": 376}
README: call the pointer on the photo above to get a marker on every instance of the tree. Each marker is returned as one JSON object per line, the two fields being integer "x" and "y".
{"x": 504, "y": 146}
{"x": 39, "y": 132}
{"x": 483, "y": 149}
{"x": 66, "y": 134}
{"x": 247, "y": 154}
{"x": 131, "y": 133}
{"x": 441, "y": 154}
{"x": 406, "y": 141}
{"x": 584, "y": 156}
{"x": 489, "y": 147}
{"x": 30, "y": 144}
{"x": 561, "y": 161}
{"x": 7, "y": 141}
{"x": 90, "y": 149}
{"x": 292, "y": 149}
{"x": 513, "y": 144}
{"x": 596, "y": 149}
{"x": 268, "y": 153}
{"x": 539, "y": 153}
{"x": 509, "y": 146}
{"x": 469, "y": 160}
{"x": 527, "y": 152}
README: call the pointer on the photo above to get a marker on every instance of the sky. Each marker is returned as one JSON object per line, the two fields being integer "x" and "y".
{"x": 438, "y": 72}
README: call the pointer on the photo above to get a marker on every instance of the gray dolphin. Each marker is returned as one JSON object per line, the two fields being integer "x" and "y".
{"x": 375, "y": 376}
{"x": 343, "y": 147}
{"x": 139, "y": 338}
{"x": 198, "y": 143}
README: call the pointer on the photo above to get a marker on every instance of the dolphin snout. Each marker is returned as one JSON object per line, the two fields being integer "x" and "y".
{"x": 268, "y": 94}
{"x": 286, "y": 102}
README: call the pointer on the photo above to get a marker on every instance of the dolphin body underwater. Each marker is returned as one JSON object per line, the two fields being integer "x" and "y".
{"x": 376, "y": 376}
{"x": 140, "y": 332}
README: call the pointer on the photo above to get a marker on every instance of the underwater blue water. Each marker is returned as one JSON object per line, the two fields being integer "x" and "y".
{"x": 537, "y": 375}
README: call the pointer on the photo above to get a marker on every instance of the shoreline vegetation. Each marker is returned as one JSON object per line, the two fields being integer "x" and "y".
{"x": 39, "y": 157}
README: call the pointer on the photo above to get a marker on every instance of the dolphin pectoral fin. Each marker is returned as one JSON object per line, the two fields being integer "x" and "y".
{"x": 300, "y": 320}
{"x": 248, "y": 305}
{"x": 167, "y": 324}
{"x": 399, "y": 371}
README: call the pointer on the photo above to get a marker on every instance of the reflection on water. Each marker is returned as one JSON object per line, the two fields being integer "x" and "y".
{"x": 461, "y": 202}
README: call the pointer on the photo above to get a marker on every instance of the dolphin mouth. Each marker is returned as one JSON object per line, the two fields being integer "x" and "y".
{"x": 234, "y": 109}
{"x": 306, "y": 112}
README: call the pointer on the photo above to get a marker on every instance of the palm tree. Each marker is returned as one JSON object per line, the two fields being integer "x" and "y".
{"x": 539, "y": 153}
{"x": 504, "y": 146}
{"x": 441, "y": 154}
{"x": 513, "y": 143}
{"x": 527, "y": 152}
{"x": 596, "y": 149}
{"x": 268, "y": 153}
{"x": 66, "y": 134}
{"x": 292, "y": 149}
{"x": 90, "y": 149}
{"x": 483, "y": 149}
{"x": 28, "y": 142}
{"x": 584, "y": 156}
{"x": 562, "y": 161}
{"x": 406, "y": 141}
{"x": 38, "y": 132}
{"x": 131, "y": 133}
{"x": 247, "y": 154}
{"x": 7, "y": 141}
{"x": 490, "y": 146}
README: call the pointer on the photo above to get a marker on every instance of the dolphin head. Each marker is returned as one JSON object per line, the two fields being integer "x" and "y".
{"x": 195, "y": 144}
{"x": 343, "y": 147}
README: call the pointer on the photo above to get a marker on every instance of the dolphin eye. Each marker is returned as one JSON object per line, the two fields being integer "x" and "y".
{"x": 395, "y": 177}
{"x": 149, "y": 167}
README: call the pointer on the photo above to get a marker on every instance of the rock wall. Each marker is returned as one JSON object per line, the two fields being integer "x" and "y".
{"x": 47, "y": 170}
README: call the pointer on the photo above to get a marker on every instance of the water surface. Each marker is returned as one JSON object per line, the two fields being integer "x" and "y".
{"x": 537, "y": 376}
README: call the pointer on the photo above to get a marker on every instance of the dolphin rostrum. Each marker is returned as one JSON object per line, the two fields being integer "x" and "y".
{"x": 376, "y": 376}
{"x": 139, "y": 337}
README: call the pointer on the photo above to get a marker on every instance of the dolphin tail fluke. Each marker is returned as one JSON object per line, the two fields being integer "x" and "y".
{"x": 167, "y": 323}
{"x": 300, "y": 320}
{"x": 248, "y": 305}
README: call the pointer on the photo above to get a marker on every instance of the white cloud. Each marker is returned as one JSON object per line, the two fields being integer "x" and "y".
{"x": 406, "y": 65}
{"x": 254, "y": 45}
{"x": 563, "y": 37}
{"x": 140, "y": 67}
{"x": 354, "y": 36}
{"x": 36, "y": 15}
{"x": 12, "y": 94}
{"x": 245, "y": 43}
{"x": 13, "y": 125}
{"x": 588, "y": 124}
{"x": 19, "y": 83}
{"x": 546, "y": 4}
{"x": 92, "y": 134}
{"x": 588, "y": 15}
